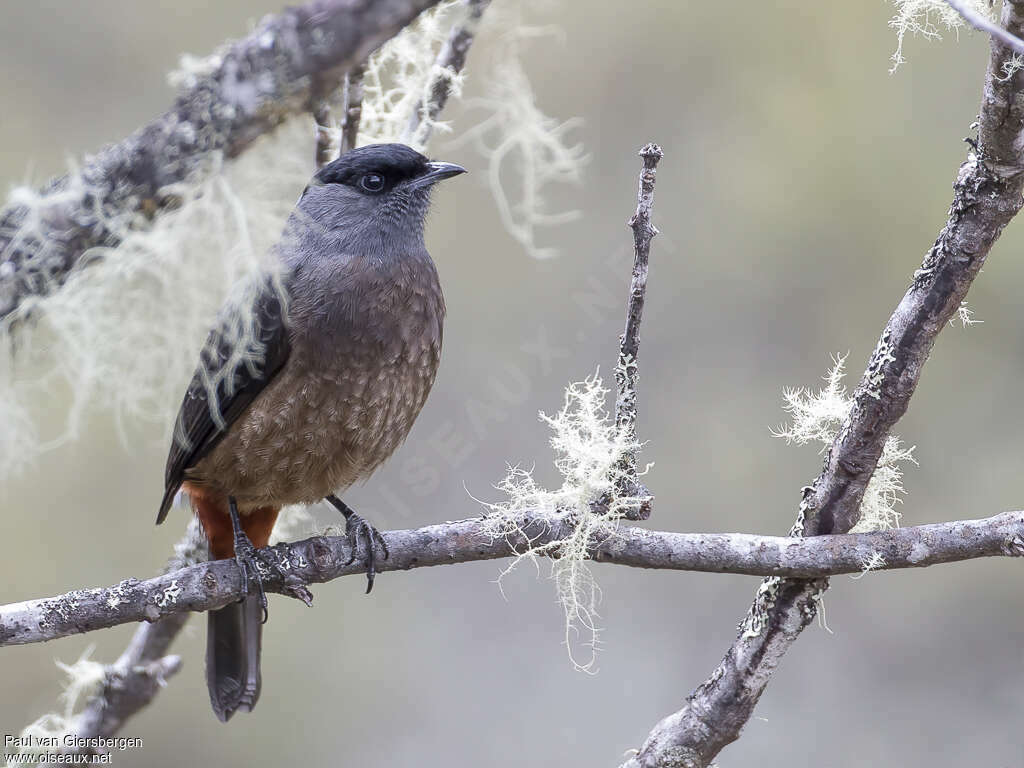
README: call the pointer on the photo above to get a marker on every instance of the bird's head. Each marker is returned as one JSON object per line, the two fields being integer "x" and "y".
{"x": 377, "y": 189}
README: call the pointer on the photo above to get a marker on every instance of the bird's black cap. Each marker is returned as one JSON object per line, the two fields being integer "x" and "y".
{"x": 396, "y": 162}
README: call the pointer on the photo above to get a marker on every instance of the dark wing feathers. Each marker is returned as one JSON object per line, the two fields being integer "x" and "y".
{"x": 199, "y": 426}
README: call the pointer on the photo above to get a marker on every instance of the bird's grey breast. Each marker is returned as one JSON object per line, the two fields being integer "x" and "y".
{"x": 366, "y": 340}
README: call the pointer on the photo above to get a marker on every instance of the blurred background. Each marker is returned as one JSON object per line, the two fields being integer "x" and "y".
{"x": 802, "y": 185}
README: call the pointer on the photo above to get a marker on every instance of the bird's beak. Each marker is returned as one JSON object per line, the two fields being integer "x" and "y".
{"x": 437, "y": 171}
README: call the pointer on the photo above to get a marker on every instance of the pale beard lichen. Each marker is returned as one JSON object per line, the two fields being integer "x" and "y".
{"x": 926, "y": 18}
{"x": 589, "y": 455}
{"x": 122, "y": 333}
{"x": 871, "y": 563}
{"x": 818, "y": 417}
{"x": 964, "y": 314}
{"x": 513, "y": 133}
{"x": 85, "y": 678}
{"x": 1010, "y": 67}
{"x": 517, "y": 136}
{"x": 398, "y": 79}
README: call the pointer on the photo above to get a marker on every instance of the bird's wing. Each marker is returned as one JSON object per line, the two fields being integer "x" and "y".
{"x": 235, "y": 373}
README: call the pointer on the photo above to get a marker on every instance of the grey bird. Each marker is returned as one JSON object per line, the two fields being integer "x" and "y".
{"x": 345, "y": 350}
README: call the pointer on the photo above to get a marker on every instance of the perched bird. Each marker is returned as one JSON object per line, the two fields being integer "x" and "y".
{"x": 345, "y": 349}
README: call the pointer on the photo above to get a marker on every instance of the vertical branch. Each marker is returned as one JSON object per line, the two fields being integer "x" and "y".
{"x": 450, "y": 61}
{"x": 321, "y": 109}
{"x": 626, "y": 372}
{"x": 353, "y": 108}
{"x": 351, "y": 114}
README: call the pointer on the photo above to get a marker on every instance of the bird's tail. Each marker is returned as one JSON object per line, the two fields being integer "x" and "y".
{"x": 233, "y": 639}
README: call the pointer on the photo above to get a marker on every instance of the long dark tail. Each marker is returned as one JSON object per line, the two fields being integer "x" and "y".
{"x": 233, "y": 638}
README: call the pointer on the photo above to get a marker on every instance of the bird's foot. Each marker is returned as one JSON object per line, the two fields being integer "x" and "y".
{"x": 255, "y": 566}
{"x": 361, "y": 532}
{"x": 248, "y": 565}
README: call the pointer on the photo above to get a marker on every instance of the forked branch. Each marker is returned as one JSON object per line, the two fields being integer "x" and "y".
{"x": 986, "y": 196}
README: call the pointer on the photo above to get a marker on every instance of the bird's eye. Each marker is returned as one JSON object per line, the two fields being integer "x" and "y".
{"x": 372, "y": 182}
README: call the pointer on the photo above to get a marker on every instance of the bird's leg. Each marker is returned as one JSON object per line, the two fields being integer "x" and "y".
{"x": 245, "y": 556}
{"x": 358, "y": 530}
{"x": 251, "y": 558}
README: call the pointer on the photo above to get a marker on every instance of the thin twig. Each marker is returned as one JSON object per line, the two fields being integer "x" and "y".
{"x": 321, "y": 109}
{"x": 353, "y": 108}
{"x": 351, "y": 114}
{"x": 983, "y": 24}
{"x": 987, "y": 195}
{"x": 211, "y": 585}
{"x": 627, "y": 372}
{"x": 450, "y": 61}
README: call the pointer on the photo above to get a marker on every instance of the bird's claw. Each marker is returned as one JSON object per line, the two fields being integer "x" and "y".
{"x": 246, "y": 557}
{"x": 359, "y": 531}
{"x": 249, "y": 562}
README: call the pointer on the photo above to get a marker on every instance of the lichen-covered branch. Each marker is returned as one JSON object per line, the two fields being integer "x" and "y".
{"x": 244, "y": 90}
{"x": 206, "y": 586}
{"x": 986, "y": 195}
{"x": 450, "y": 61}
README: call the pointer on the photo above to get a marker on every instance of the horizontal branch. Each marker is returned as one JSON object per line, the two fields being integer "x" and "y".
{"x": 246, "y": 89}
{"x": 320, "y": 559}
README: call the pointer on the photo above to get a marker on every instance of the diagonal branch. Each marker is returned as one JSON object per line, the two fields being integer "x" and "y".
{"x": 247, "y": 89}
{"x": 210, "y": 585}
{"x": 983, "y": 24}
{"x": 986, "y": 196}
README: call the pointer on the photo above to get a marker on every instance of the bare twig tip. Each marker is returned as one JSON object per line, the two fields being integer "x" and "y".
{"x": 652, "y": 151}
